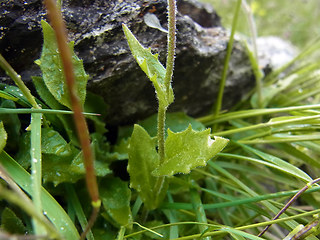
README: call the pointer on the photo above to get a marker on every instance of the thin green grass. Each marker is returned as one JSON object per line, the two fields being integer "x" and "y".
{"x": 273, "y": 153}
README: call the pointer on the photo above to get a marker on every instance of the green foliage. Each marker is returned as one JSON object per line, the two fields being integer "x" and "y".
{"x": 150, "y": 64}
{"x": 116, "y": 196}
{"x": 143, "y": 159}
{"x": 52, "y": 70}
{"x": 11, "y": 223}
{"x": 187, "y": 150}
{"x": 176, "y": 122}
{"x": 183, "y": 151}
{"x": 3, "y": 136}
{"x": 272, "y": 154}
{"x": 51, "y": 207}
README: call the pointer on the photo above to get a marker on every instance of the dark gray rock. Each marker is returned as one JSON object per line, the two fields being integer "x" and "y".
{"x": 95, "y": 26}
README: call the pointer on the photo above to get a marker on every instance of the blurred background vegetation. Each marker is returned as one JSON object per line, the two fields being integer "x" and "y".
{"x": 293, "y": 20}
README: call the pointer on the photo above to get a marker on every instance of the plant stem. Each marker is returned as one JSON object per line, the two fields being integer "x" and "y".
{"x": 171, "y": 43}
{"x": 30, "y": 209}
{"x": 161, "y": 132}
{"x": 289, "y": 203}
{"x": 226, "y": 63}
{"x": 79, "y": 119}
{"x": 17, "y": 80}
{"x": 168, "y": 77}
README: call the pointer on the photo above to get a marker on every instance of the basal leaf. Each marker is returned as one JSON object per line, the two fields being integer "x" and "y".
{"x": 150, "y": 64}
{"x": 48, "y": 98}
{"x": 52, "y": 69}
{"x": 143, "y": 159}
{"x": 57, "y": 169}
{"x": 53, "y": 143}
{"x": 187, "y": 150}
{"x": 77, "y": 166}
{"x": 3, "y": 136}
{"x": 116, "y": 196}
{"x": 11, "y": 223}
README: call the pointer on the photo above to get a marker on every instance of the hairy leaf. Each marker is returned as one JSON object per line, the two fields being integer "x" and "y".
{"x": 187, "y": 150}
{"x": 143, "y": 159}
{"x": 150, "y": 64}
{"x": 52, "y": 69}
{"x": 116, "y": 196}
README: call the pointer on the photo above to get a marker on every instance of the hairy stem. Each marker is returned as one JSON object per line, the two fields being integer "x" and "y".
{"x": 161, "y": 132}
{"x": 79, "y": 119}
{"x": 171, "y": 43}
{"x": 168, "y": 76}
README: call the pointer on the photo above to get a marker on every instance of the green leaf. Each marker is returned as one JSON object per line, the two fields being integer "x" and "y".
{"x": 177, "y": 122}
{"x": 269, "y": 92}
{"x": 7, "y": 96}
{"x": 52, "y": 69}
{"x": 116, "y": 196}
{"x": 143, "y": 159}
{"x": 15, "y": 92}
{"x": 49, "y": 99}
{"x": 283, "y": 165}
{"x": 77, "y": 166}
{"x": 12, "y": 125}
{"x": 51, "y": 208}
{"x": 11, "y": 223}
{"x": 150, "y": 64}
{"x": 53, "y": 143}
{"x": 57, "y": 169}
{"x": 3, "y": 137}
{"x": 187, "y": 150}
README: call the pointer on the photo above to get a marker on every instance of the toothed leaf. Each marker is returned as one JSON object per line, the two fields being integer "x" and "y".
{"x": 150, "y": 64}
{"x": 52, "y": 69}
{"x": 187, "y": 150}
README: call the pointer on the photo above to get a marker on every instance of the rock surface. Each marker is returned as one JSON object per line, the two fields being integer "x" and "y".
{"x": 274, "y": 52}
{"x": 95, "y": 26}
